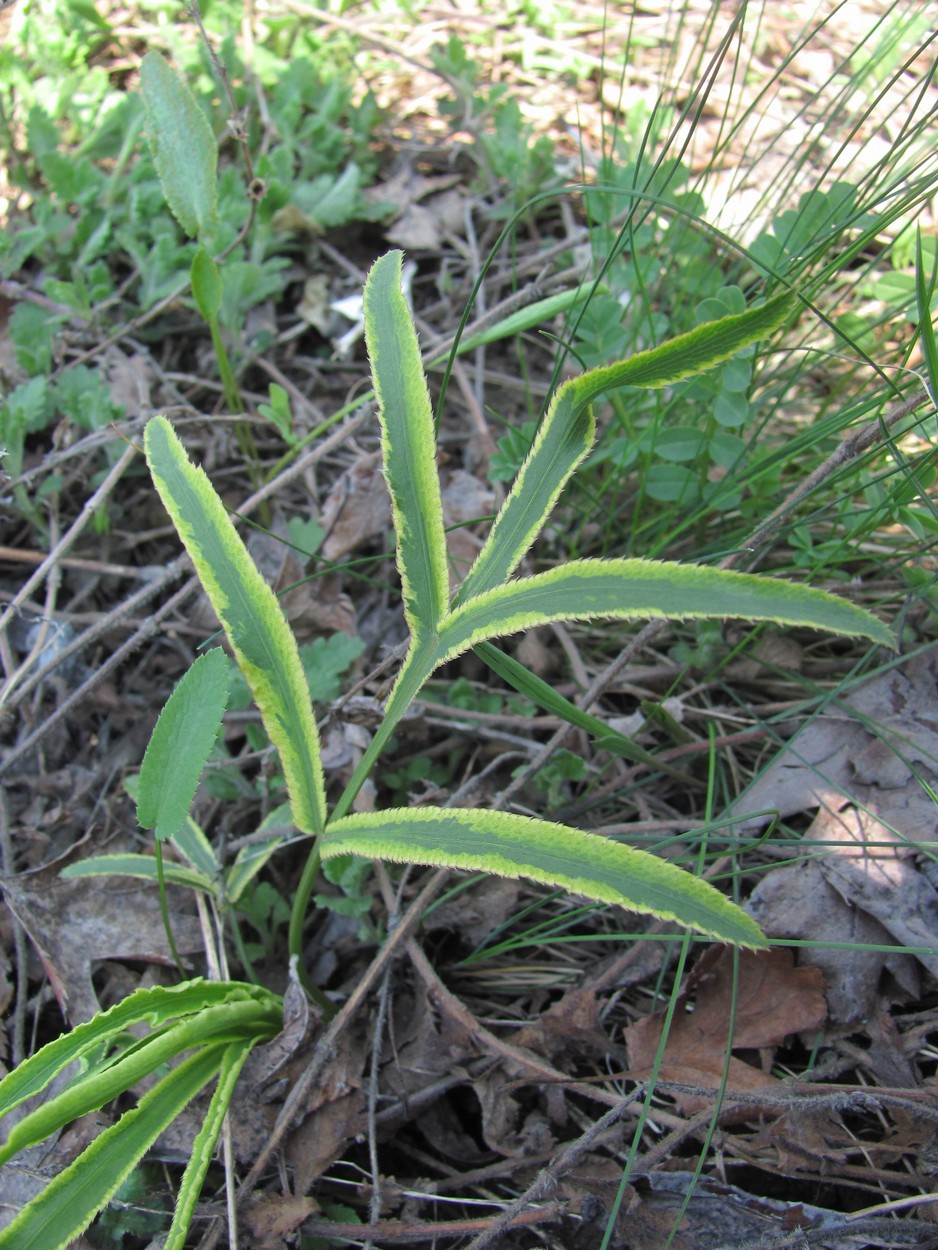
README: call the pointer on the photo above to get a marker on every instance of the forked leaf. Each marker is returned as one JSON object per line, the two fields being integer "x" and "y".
{"x": 408, "y": 446}
{"x": 260, "y": 637}
{"x": 71, "y": 1200}
{"x": 181, "y": 743}
{"x": 566, "y": 434}
{"x": 184, "y": 149}
{"x": 519, "y": 846}
{"x": 643, "y": 589}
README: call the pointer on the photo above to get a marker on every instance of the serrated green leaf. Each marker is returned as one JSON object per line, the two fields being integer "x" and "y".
{"x": 260, "y": 637}
{"x": 644, "y": 589}
{"x": 228, "y": 1022}
{"x": 408, "y": 445}
{"x": 203, "y": 1148}
{"x": 552, "y": 854}
{"x": 68, "y": 1204}
{"x": 181, "y": 743}
{"x": 184, "y": 149}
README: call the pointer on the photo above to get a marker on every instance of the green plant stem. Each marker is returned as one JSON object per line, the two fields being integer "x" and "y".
{"x": 164, "y": 907}
{"x": 418, "y": 665}
{"x": 304, "y": 891}
{"x": 229, "y": 382}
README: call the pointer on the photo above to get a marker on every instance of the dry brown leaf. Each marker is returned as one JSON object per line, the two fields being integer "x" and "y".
{"x": 75, "y": 924}
{"x": 476, "y": 913}
{"x": 426, "y": 227}
{"x": 774, "y": 1000}
{"x": 873, "y": 870}
{"x": 335, "y": 1114}
{"x": 836, "y": 755}
{"x": 357, "y": 509}
{"x": 311, "y": 607}
{"x": 571, "y": 1025}
{"x": 798, "y": 902}
{"x": 270, "y": 1221}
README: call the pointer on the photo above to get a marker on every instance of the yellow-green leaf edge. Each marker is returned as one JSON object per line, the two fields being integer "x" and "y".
{"x": 408, "y": 446}
{"x": 257, "y": 630}
{"x": 637, "y": 588}
{"x": 510, "y": 845}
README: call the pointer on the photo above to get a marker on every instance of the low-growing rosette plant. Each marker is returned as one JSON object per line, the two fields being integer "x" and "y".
{"x": 215, "y": 1025}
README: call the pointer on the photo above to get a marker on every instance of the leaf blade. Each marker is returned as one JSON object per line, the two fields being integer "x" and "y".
{"x": 519, "y": 846}
{"x": 184, "y": 149}
{"x": 155, "y": 1005}
{"x": 181, "y": 743}
{"x": 408, "y": 446}
{"x": 646, "y": 589}
{"x": 566, "y": 434}
{"x": 263, "y": 643}
{"x": 563, "y": 440}
{"x": 68, "y": 1204}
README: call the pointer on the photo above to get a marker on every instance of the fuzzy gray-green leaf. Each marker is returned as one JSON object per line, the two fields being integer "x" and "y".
{"x": 184, "y": 149}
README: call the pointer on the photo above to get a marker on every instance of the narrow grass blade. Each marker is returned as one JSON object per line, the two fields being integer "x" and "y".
{"x": 409, "y": 446}
{"x": 924, "y": 292}
{"x": 69, "y": 1203}
{"x": 181, "y": 743}
{"x": 260, "y": 637}
{"x": 518, "y": 846}
{"x": 531, "y": 315}
{"x": 203, "y": 1148}
{"x": 155, "y": 1006}
{"x": 643, "y": 589}
{"x": 566, "y": 434}
{"x": 184, "y": 149}
{"x": 546, "y": 697}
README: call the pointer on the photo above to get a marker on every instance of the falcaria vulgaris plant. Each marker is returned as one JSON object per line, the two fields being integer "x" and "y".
{"x": 219, "y": 1023}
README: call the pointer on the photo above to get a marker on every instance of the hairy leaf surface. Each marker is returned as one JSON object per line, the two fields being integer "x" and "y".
{"x": 552, "y": 854}
{"x": 184, "y": 149}
{"x": 643, "y": 589}
{"x": 409, "y": 446}
{"x": 567, "y": 432}
{"x": 260, "y": 637}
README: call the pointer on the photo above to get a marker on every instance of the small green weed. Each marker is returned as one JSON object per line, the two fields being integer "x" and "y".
{"x": 223, "y": 1021}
